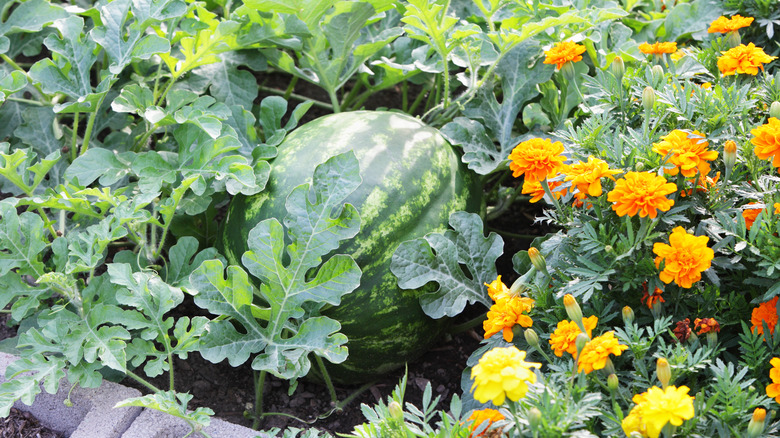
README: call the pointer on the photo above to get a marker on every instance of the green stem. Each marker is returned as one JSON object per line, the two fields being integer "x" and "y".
{"x": 259, "y": 384}
{"x": 326, "y": 377}
{"x": 75, "y": 137}
{"x": 352, "y": 93}
{"x": 317, "y": 103}
{"x": 16, "y": 66}
{"x": 142, "y": 381}
{"x": 168, "y": 87}
{"x": 26, "y": 101}
{"x": 90, "y": 125}
{"x": 334, "y": 101}
{"x": 546, "y": 187}
{"x": 460, "y": 328}
{"x": 405, "y": 95}
{"x": 419, "y": 98}
{"x": 506, "y": 203}
{"x": 290, "y": 88}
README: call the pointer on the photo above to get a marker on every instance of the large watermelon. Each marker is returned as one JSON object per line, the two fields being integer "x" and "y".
{"x": 412, "y": 181}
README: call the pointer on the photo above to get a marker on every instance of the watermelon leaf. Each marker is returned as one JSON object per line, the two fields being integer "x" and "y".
{"x": 439, "y": 257}
{"x": 289, "y": 327}
{"x": 172, "y": 403}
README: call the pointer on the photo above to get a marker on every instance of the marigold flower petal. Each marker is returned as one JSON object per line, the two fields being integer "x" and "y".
{"x": 500, "y": 373}
{"x": 643, "y": 193}
{"x": 597, "y": 350}
{"x": 766, "y": 139}
{"x": 658, "y": 48}
{"x": 685, "y": 258}
{"x": 743, "y": 59}
{"x": 765, "y": 312}
{"x": 587, "y": 176}
{"x": 537, "y": 159}
{"x": 563, "y": 52}
{"x": 687, "y": 151}
{"x": 726, "y": 25}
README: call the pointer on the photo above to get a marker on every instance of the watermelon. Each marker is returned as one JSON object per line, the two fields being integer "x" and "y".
{"x": 412, "y": 181}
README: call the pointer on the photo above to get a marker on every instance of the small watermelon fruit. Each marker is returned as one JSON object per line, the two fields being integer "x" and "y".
{"x": 412, "y": 182}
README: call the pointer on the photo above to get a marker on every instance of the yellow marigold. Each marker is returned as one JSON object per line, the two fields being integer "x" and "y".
{"x": 685, "y": 258}
{"x": 687, "y": 151}
{"x": 587, "y": 176}
{"x": 661, "y": 406}
{"x": 750, "y": 214}
{"x": 743, "y": 59}
{"x": 765, "y": 312}
{"x": 534, "y": 188}
{"x": 596, "y": 352}
{"x": 726, "y": 25}
{"x": 777, "y": 207}
{"x": 678, "y": 55}
{"x": 480, "y": 416}
{"x": 766, "y": 139}
{"x": 502, "y": 372}
{"x": 643, "y": 193}
{"x": 564, "y": 337}
{"x": 658, "y": 48}
{"x": 496, "y": 289}
{"x": 505, "y": 313}
{"x": 537, "y": 159}
{"x": 563, "y": 52}
{"x": 773, "y": 389}
{"x": 632, "y": 423}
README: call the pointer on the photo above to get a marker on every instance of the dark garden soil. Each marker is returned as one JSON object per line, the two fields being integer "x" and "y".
{"x": 23, "y": 425}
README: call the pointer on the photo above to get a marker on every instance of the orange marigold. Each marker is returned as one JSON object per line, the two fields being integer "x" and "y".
{"x": 726, "y": 25}
{"x": 750, "y": 214}
{"x": 765, "y": 312}
{"x": 596, "y": 352}
{"x": 480, "y": 416}
{"x": 766, "y": 139}
{"x": 497, "y": 289}
{"x": 777, "y": 207}
{"x": 687, "y": 151}
{"x": 564, "y": 337}
{"x": 587, "y": 176}
{"x": 505, "y": 313}
{"x": 706, "y": 325}
{"x": 658, "y": 48}
{"x": 651, "y": 299}
{"x": 534, "y": 188}
{"x": 537, "y": 159}
{"x": 643, "y": 193}
{"x": 703, "y": 183}
{"x": 773, "y": 389}
{"x": 685, "y": 258}
{"x": 563, "y": 52}
{"x": 743, "y": 59}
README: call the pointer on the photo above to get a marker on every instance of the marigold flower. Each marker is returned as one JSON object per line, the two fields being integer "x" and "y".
{"x": 505, "y": 313}
{"x": 777, "y": 207}
{"x": 688, "y": 152}
{"x": 632, "y": 423}
{"x": 773, "y": 390}
{"x": 480, "y": 416}
{"x": 651, "y": 299}
{"x": 682, "y": 331}
{"x": 502, "y": 372}
{"x": 703, "y": 184}
{"x": 766, "y": 139}
{"x": 497, "y": 289}
{"x": 534, "y": 188}
{"x": 726, "y": 25}
{"x": 643, "y": 193}
{"x": 661, "y": 406}
{"x": 750, "y": 214}
{"x": 564, "y": 337}
{"x": 756, "y": 425}
{"x": 596, "y": 352}
{"x": 587, "y": 176}
{"x": 706, "y": 325}
{"x": 538, "y": 159}
{"x": 658, "y": 48}
{"x": 678, "y": 55}
{"x": 743, "y": 59}
{"x": 563, "y": 52}
{"x": 685, "y": 258}
{"x": 765, "y": 312}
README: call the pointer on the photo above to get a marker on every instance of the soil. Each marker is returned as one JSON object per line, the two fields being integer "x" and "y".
{"x": 21, "y": 424}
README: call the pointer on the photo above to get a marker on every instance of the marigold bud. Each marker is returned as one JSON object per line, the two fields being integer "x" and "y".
{"x": 568, "y": 71}
{"x": 757, "y": 423}
{"x": 573, "y": 310}
{"x": 640, "y": 166}
{"x": 729, "y": 154}
{"x": 580, "y": 341}
{"x": 733, "y": 39}
{"x": 608, "y": 249}
{"x": 537, "y": 259}
{"x": 648, "y": 98}
{"x": 774, "y": 110}
{"x": 531, "y": 337}
{"x": 628, "y": 315}
{"x": 663, "y": 371}
{"x": 395, "y": 410}
{"x": 618, "y": 68}
{"x": 612, "y": 383}
{"x": 658, "y": 75}
{"x": 534, "y": 418}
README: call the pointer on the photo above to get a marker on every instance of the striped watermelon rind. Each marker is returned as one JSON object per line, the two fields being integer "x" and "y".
{"x": 412, "y": 182}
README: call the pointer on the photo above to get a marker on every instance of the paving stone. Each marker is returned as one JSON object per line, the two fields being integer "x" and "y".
{"x": 155, "y": 424}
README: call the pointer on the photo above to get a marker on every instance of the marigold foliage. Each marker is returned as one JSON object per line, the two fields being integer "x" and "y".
{"x": 587, "y": 176}
{"x": 765, "y": 312}
{"x": 743, "y": 59}
{"x": 685, "y": 257}
{"x": 596, "y": 352}
{"x": 726, "y": 25}
{"x": 766, "y": 139}
{"x": 658, "y": 48}
{"x": 502, "y": 373}
{"x": 537, "y": 159}
{"x": 564, "y": 337}
{"x": 687, "y": 152}
{"x": 563, "y": 52}
{"x": 643, "y": 193}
